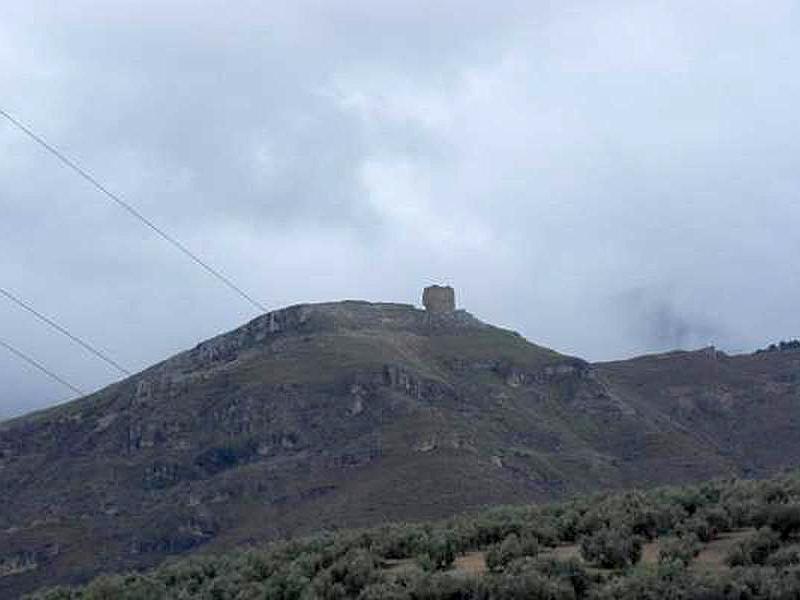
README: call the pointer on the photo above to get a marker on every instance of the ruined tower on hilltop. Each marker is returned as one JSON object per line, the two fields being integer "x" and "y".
{"x": 439, "y": 299}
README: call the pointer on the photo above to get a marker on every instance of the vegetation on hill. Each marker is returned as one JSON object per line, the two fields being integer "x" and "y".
{"x": 587, "y": 548}
{"x": 782, "y": 346}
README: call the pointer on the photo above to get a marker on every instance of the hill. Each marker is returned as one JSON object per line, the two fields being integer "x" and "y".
{"x": 352, "y": 414}
{"x": 720, "y": 540}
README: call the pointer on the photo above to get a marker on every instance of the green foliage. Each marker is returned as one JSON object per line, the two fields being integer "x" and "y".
{"x": 347, "y": 576}
{"x": 611, "y": 548}
{"x": 441, "y": 586}
{"x": 436, "y": 551}
{"x": 782, "y": 518}
{"x": 699, "y": 527}
{"x": 788, "y": 556}
{"x": 717, "y": 519}
{"x": 679, "y": 549}
{"x": 442, "y": 551}
{"x": 755, "y": 549}
{"x": 362, "y": 565}
{"x": 569, "y": 571}
{"x": 384, "y": 591}
{"x": 401, "y": 541}
{"x": 511, "y": 548}
{"x": 529, "y": 585}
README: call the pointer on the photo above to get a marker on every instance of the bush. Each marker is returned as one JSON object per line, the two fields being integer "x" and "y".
{"x": 401, "y": 541}
{"x": 513, "y": 547}
{"x": 289, "y": 584}
{"x": 438, "y": 553}
{"x": 717, "y": 519}
{"x": 782, "y": 518}
{"x": 679, "y": 549}
{"x": 611, "y": 549}
{"x": 740, "y": 513}
{"x": 754, "y": 550}
{"x": 384, "y": 591}
{"x": 785, "y": 557}
{"x": 569, "y": 571}
{"x": 671, "y": 581}
{"x": 699, "y": 527}
{"x": 567, "y": 526}
{"x": 526, "y": 582}
{"x": 442, "y": 586}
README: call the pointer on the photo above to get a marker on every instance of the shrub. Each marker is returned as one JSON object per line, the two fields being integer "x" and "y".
{"x": 740, "y": 513}
{"x": 671, "y": 581}
{"x": 611, "y": 549}
{"x": 384, "y": 591}
{"x": 438, "y": 553}
{"x": 442, "y": 551}
{"x": 679, "y": 549}
{"x": 545, "y": 534}
{"x": 699, "y": 527}
{"x": 442, "y": 586}
{"x": 526, "y": 582}
{"x": 788, "y": 556}
{"x": 569, "y": 571}
{"x": 401, "y": 541}
{"x": 511, "y": 548}
{"x": 567, "y": 526}
{"x": 717, "y": 518}
{"x": 288, "y": 584}
{"x": 782, "y": 518}
{"x": 754, "y": 550}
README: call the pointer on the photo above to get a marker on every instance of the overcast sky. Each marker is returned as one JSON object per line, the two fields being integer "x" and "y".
{"x": 606, "y": 177}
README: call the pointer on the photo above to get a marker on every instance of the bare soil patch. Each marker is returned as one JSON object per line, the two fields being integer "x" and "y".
{"x": 472, "y": 563}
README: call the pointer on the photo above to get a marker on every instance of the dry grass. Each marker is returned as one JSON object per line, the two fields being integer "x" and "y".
{"x": 565, "y": 552}
{"x": 650, "y": 553}
{"x": 472, "y": 563}
{"x": 399, "y": 565}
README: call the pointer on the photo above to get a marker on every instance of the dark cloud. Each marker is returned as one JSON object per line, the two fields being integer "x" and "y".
{"x": 662, "y": 320}
{"x": 545, "y": 158}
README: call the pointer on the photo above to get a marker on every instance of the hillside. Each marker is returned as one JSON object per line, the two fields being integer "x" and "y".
{"x": 744, "y": 407}
{"x": 353, "y": 413}
{"x": 719, "y": 540}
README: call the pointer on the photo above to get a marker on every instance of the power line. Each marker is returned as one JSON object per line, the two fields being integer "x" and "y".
{"x": 42, "y": 368}
{"x": 131, "y": 210}
{"x": 85, "y": 345}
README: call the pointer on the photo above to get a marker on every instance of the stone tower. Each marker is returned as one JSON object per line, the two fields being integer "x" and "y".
{"x": 439, "y": 299}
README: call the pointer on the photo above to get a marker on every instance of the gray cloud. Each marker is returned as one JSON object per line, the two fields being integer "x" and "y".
{"x": 608, "y": 178}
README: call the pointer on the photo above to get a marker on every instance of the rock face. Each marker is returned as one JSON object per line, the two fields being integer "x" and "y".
{"x": 439, "y": 299}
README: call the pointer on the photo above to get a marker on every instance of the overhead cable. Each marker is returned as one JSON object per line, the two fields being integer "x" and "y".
{"x": 63, "y": 331}
{"x": 34, "y": 363}
{"x": 131, "y": 210}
